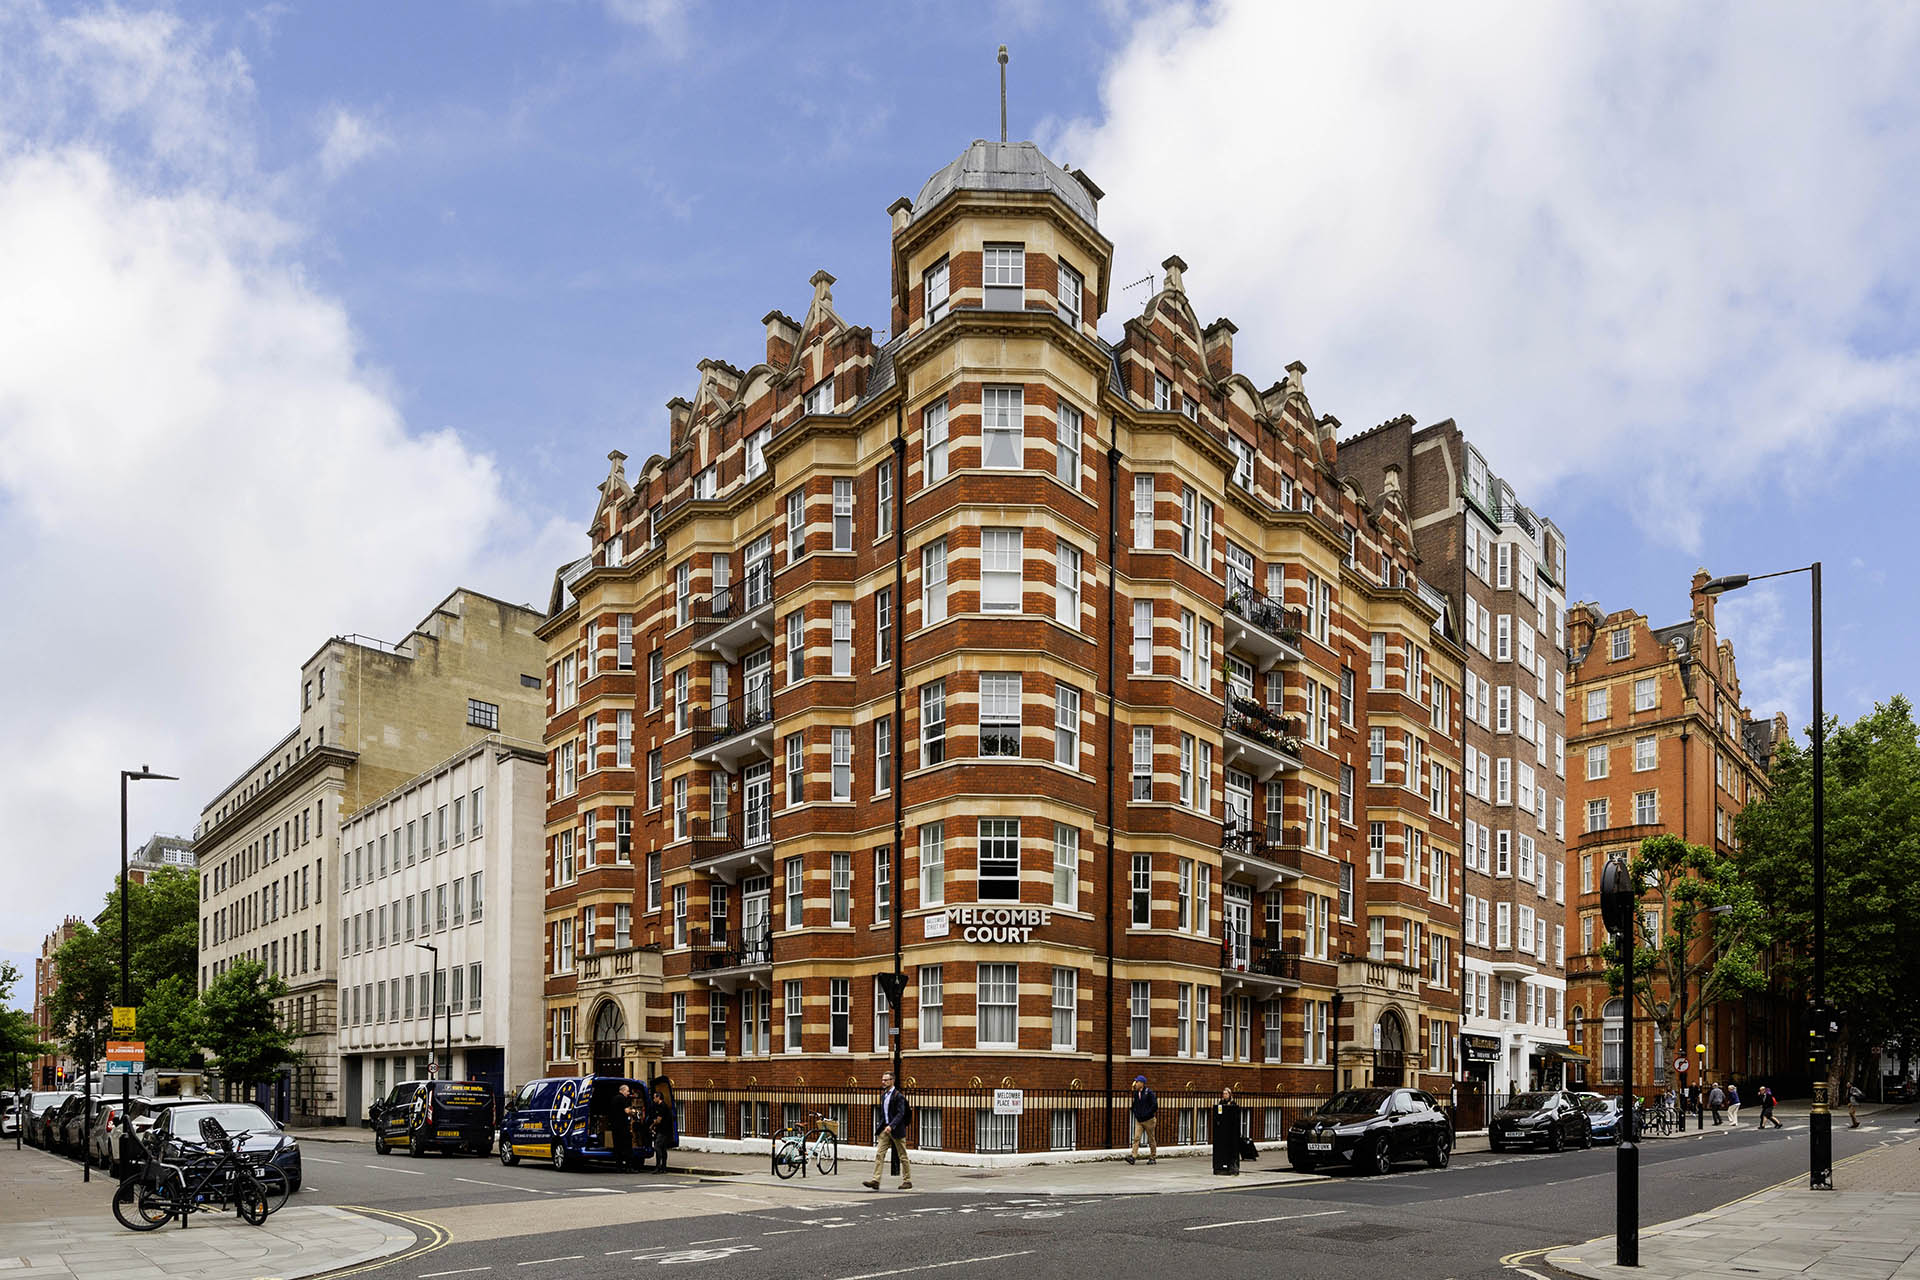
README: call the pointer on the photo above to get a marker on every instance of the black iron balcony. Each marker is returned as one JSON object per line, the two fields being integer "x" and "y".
{"x": 1260, "y": 740}
{"x": 1256, "y": 962}
{"x": 740, "y": 949}
{"x": 735, "y": 730}
{"x": 1260, "y": 627}
{"x": 737, "y": 617}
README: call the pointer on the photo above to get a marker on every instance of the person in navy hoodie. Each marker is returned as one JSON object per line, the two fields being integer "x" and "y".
{"x": 891, "y": 1119}
{"x": 1145, "y": 1107}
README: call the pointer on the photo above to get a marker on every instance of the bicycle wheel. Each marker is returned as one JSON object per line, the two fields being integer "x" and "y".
{"x": 826, "y": 1152}
{"x": 788, "y": 1155}
{"x": 276, "y": 1186}
{"x": 249, "y": 1199}
{"x": 138, "y": 1206}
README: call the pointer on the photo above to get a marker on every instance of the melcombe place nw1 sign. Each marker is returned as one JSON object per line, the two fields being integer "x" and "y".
{"x": 988, "y": 924}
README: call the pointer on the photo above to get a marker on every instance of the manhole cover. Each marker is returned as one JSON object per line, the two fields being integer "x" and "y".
{"x": 1363, "y": 1233}
{"x": 979, "y": 1175}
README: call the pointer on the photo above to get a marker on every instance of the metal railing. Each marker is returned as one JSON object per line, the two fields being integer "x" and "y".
{"x": 1258, "y": 839}
{"x": 735, "y": 600}
{"x": 964, "y": 1119}
{"x": 1243, "y": 953}
{"x": 1267, "y": 614}
{"x": 736, "y": 715}
{"x": 1255, "y": 720}
{"x": 740, "y": 947}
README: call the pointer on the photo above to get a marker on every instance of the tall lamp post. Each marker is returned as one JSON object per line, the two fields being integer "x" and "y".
{"x": 1620, "y": 912}
{"x": 1820, "y": 1122}
{"x": 433, "y": 1022}
{"x": 143, "y": 774}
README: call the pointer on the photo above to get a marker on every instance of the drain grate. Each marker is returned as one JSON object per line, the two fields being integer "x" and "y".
{"x": 979, "y": 1176}
{"x": 1363, "y": 1233}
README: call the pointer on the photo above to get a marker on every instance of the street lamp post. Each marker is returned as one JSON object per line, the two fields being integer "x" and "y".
{"x": 1620, "y": 912}
{"x": 143, "y": 774}
{"x": 1820, "y": 1121}
{"x": 433, "y": 1023}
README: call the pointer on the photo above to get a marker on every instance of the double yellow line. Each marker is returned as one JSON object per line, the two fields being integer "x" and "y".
{"x": 432, "y": 1237}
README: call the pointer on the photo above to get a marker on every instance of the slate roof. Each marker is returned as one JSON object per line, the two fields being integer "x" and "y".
{"x": 1005, "y": 166}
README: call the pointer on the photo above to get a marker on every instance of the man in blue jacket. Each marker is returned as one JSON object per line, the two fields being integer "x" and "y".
{"x": 1145, "y": 1107}
{"x": 891, "y": 1119}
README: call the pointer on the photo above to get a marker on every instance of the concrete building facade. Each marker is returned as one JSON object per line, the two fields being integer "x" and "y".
{"x": 1661, "y": 742}
{"x": 1041, "y": 670}
{"x": 372, "y": 716}
{"x": 1503, "y": 568}
{"x": 441, "y": 894}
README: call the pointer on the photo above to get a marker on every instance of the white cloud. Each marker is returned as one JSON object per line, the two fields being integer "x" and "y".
{"x": 201, "y": 475}
{"x": 1641, "y": 245}
{"x": 347, "y": 139}
{"x": 664, "y": 20}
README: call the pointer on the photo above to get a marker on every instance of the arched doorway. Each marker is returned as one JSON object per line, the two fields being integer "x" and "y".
{"x": 1389, "y": 1050}
{"x": 609, "y": 1024}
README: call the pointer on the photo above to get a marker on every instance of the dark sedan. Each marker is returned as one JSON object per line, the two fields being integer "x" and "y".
{"x": 1370, "y": 1129}
{"x": 40, "y": 1109}
{"x": 181, "y": 1125}
{"x": 1552, "y": 1120}
{"x": 1603, "y": 1118}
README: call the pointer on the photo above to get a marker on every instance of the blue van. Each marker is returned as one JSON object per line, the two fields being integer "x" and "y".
{"x": 568, "y": 1120}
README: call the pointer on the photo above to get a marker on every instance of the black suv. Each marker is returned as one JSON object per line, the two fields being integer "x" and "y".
{"x": 1369, "y": 1129}
{"x": 1553, "y": 1120}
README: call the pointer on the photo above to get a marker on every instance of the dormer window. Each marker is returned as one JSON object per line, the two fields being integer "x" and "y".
{"x": 1072, "y": 288}
{"x": 820, "y": 398}
{"x": 936, "y": 291}
{"x": 1162, "y": 393}
{"x": 706, "y": 483}
{"x": 757, "y": 453}
{"x": 1003, "y": 276}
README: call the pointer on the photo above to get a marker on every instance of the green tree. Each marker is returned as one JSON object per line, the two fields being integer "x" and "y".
{"x": 20, "y": 1041}
{"x": 81, "y": 1006}
{"x": 1872, "y": 797}
{"x": 241, "y": 1029}
{"x": 1703, "y": 933}
{"x": 172, "y": 1025}
{"x": 163, "y": 927}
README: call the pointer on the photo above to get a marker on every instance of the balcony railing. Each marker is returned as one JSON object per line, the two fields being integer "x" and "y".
{"x": 1261, "y": 840}
{"x": 753, "y": 592}
{"x": 1267, "y": 614}
{"x": 740, "y": 949}
{"x": 1240, "y": 952}
{"x": 732, "y": 718}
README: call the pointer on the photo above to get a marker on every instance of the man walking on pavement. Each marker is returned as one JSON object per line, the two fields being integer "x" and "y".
{"x": 1717, "y": 1099}
{"x": 1145, "y": 1107}
{"x": 1766, "y": 1108}
{"x": 890, "y": 1122}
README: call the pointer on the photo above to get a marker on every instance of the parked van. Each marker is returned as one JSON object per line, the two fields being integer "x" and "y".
{"x": 435, "y": 1115}
{"x": 569, "y": 1120}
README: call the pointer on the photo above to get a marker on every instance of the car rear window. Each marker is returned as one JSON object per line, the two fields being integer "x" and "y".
{"x": 456, "y": 1095}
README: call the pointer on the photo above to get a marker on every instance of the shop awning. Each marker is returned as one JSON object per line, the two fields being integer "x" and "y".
{"x": 1561, "y": 1052}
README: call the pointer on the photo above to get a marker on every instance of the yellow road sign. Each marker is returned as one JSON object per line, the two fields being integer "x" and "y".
{"x": 123, "y": 1018}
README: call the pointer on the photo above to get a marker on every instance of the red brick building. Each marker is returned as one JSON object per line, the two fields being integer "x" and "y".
{"x": 1043, "y": 669}
{"x": 1659, "y": 741}
{"x": 49, "y": 1070}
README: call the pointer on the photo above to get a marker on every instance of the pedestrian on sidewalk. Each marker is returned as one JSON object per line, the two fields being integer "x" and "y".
{"x": 1145, "y": 1107}
{"x": 891, "y": 1119}
{"x": 1226, "y": 1133}
{"x": 620, "y": 1128}
{"x": 1717, "y": 1099}
{"x": 1855, "y": 1096}
{"x": 666, "y": 1129}
{"x": 1733, "y": 1104}
{"x": 1766, "y": 1108}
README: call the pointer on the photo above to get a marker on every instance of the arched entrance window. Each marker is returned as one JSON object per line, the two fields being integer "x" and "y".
{"x": 609, "y": 1024}
{"x": 1610, "y": 1057}
{"x": 1389, "y": 1050}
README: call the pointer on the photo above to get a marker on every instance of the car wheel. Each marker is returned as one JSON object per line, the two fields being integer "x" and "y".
{"x": 1495, "y": 1146}
{"x": 1555, "y": 1140}
{"x": 561, "y": 1163}
{"x": 1586, "y": 1137}
{"x": 1442, "y": 1151}
{"x": 417, "y": 1146}
{"x": 380, "y": 1147}
{"x": 508, "y": 1156}
{"x": 1302, "y": 1165}
{"x": 1380, "y": 1157}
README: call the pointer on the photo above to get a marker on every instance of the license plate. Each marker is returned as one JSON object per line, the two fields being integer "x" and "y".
{"x": 449, "y": 1133}
{"x": 1319, "y": 1146}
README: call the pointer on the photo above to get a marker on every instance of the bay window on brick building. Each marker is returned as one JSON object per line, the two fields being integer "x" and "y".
{"x": 1023, "y": 663}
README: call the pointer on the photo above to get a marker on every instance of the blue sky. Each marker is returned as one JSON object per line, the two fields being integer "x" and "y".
{"x": 316, "y": 310}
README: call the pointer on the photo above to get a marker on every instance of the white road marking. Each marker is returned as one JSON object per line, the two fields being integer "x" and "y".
{"x": 540, "y": 1262}
{"x": 324, "y": 1160}
{"x": 790, "y": 1231}
{"x": 411, "y": 1173}
{"x": 935, "y": 1266}
{"x": 482, "y": 1182}
{"x": 429, "y": 1275}
{"x": 1249, "y": 1222}
{"x": 605, "y": 1191}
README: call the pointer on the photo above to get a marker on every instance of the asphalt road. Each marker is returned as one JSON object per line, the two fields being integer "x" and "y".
{"x": 1457, "y": 1222}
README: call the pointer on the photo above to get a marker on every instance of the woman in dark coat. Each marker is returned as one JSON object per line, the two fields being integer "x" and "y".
{"x": 1226, "y": 1133}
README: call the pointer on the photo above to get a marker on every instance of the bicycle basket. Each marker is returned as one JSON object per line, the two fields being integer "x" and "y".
{"x": 825, "y": 1125}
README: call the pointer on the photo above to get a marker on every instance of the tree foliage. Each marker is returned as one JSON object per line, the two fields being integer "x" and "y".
{"x": 163, "y": 938}
{"x": 1872, "y": 799}
{"x": 81, "y": 1006}
{"x": 239, "y": 1026}
{"x": 1703, "y": 933}
{"x": 20, "y": 1040}
{"x": 172, "y": 1025}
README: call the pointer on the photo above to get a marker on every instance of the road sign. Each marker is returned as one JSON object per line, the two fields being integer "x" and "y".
{"x": 123, "y": 1018}
{"x": 126, "y": 1050}
{"x": 122, "y": 1068}
{"x": 1009, "y": 1102}
{"x": 1680, "y": 1065}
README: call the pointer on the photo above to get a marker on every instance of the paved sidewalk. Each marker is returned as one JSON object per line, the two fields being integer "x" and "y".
{"x": 53, "y": 1226}
{"x": 1867, "y": 1230}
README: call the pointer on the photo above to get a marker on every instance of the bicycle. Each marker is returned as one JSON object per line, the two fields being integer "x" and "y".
{"x": 794, "y": 1146}
{"x": 213, "y": 1175}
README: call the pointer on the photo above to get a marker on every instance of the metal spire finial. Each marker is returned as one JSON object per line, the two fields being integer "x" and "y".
{"x": 1003, "y": 93}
